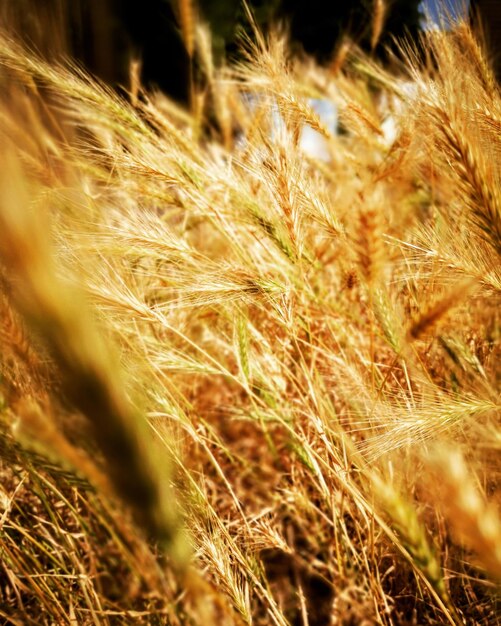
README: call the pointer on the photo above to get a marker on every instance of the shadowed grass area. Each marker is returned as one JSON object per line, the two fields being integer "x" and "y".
{"x": 241, "y": 385}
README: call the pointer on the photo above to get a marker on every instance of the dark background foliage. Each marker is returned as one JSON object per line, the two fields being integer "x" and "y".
{"x": 105, "y": 34}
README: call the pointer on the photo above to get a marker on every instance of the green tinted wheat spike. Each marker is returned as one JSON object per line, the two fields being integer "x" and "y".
{"x": 243, "y": 346}
{"x": 405, "y": 521}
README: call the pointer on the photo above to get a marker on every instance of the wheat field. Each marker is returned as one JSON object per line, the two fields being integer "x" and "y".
{"x": 240, "y": 384}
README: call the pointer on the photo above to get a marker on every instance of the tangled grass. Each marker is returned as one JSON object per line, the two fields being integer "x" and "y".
{"x": 241, "y": 385}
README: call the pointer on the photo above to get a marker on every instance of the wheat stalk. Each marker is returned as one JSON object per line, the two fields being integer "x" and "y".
{"x": 378, "y": 17}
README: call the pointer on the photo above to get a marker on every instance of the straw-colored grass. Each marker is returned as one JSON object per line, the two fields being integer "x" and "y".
{"x": 240, "y": 385}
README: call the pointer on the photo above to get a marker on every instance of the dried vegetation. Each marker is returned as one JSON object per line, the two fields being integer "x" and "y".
{"x": 239, "y": 384}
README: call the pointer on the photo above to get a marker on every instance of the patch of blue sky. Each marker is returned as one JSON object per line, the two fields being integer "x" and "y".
{"x": 443, "y": 13}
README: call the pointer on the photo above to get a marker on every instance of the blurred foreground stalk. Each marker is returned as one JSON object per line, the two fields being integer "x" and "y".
{"x": 90, "y": 380}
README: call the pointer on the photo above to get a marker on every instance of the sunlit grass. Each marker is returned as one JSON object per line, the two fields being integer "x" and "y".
{"x": 241, "y": 385}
